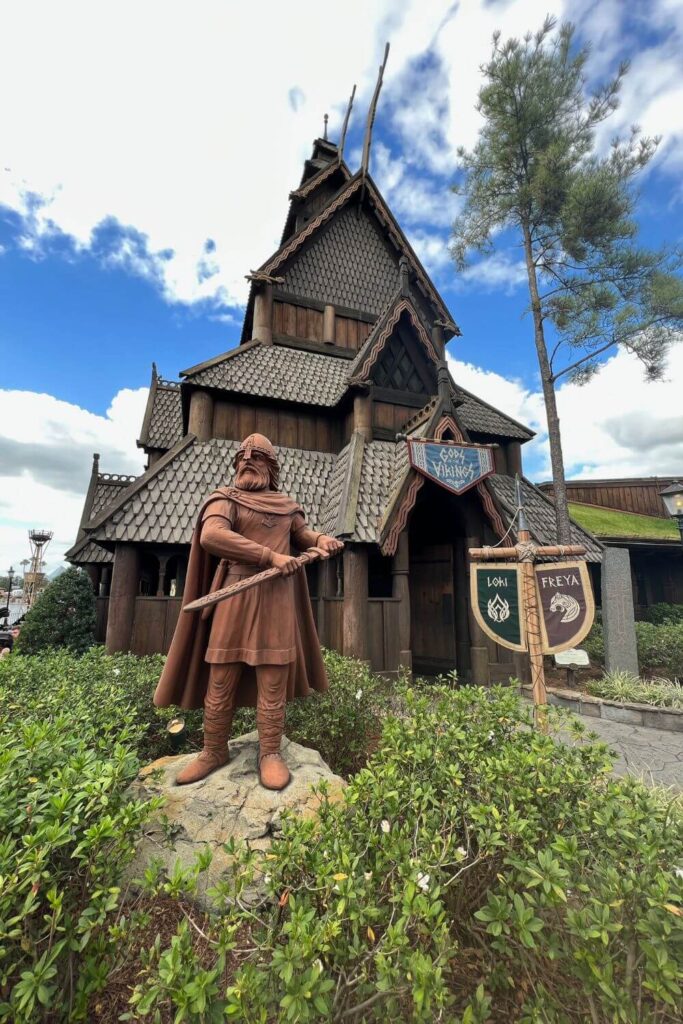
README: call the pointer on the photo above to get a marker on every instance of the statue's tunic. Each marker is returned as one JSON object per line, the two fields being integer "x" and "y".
{"x": 185, "y": 676}
{"x": 258, "y": 626}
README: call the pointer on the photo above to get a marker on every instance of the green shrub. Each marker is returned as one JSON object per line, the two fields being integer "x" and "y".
{"x": 475, "y": 870}
{"x": 661, "y": 613}
{"x": 66, "y": 833}
{"x": 594, "y": 644}
{"x": 63, "y": 616}
{"x": 660, "y": 647}
{"x": 624, "y": 686}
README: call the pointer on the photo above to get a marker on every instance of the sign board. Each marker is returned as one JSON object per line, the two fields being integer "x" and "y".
{"x": 573, "y": 658}
{"x": 496, "y": 594}
{"x": 457, "y": 467}
{"x": 565, "y": 604}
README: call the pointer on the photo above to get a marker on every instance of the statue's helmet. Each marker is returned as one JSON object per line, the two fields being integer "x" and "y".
{"x": 259, "y": 443}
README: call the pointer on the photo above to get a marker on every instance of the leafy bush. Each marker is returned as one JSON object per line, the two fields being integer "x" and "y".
{"x": 660, "y": 647}
{"x": 594, "y": 644}
{"x": 475, "y": 870}
{"x": 661, "y": 613}
{"x": 63, "y": 616}
{"x": 624, "y": 686}
{"x": 66, "y": 833}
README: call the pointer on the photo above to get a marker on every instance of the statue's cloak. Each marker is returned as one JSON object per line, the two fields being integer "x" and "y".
{"x": 186, "y": 674}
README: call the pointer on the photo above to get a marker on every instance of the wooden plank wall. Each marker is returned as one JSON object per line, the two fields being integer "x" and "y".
{"x": 349, "y": 333}
{"x": 391, "y": 417}
{"x": 638, "y": 496}
{"x": 297, "y": 321}
{"x": 313, "y": 431}
{"x": 153, "y": 624}
{"x": 383, "y": 633}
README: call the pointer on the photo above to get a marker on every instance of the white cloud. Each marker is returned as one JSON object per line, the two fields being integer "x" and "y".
{"x": 616, "y": 425}
{"x": 47, "y": 447}
{"x": 183, "y": 124}
{"x": 499, "y": 272}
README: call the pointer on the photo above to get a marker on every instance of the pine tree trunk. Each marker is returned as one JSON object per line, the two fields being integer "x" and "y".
{"x": 554, "y": 436}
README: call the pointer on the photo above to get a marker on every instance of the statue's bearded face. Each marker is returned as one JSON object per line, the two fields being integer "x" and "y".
{"x": 253, "y": 473}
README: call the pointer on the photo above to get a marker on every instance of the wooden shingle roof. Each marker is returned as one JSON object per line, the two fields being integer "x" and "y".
{"x": 163, "y": 419}
{"x": 161, "y": 506}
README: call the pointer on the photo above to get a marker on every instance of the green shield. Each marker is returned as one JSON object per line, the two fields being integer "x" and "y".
{"x": 497, "y": 603}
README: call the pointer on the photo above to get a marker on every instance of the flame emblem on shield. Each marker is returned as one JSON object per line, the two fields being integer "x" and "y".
{"x": 566, "y": 604}
{"x": 498, "y": 609}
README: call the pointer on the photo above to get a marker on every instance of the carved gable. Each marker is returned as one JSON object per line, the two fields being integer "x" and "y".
{"x": 403, "y": 365}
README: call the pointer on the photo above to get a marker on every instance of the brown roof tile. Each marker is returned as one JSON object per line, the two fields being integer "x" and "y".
{"x": 163, "y": 509}
{"x": 275, "y": 371}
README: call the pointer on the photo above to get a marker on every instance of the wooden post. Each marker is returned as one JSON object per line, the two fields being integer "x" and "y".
{"x": 328, "y": 325}
{"x": 93, "y": 572}
{"x": 362, "y": 415}
{"x": 401, "y": 590}
{"x": 437, "y": 340}
{"x": 263, "y": 315}
{"x": 161, "y": 582}
{"x": 200, "y": 420}
{"x": 124, "y": 590}
{"x": 526, "y": 556}
{"x": 355, "y": 635}
{"x": 462, "y": 603}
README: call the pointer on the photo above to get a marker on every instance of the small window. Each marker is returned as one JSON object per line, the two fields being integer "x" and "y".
{"x": 380, "y": 579}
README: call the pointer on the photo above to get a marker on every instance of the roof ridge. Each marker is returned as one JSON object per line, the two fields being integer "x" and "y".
{"x": 317, "y": 179}
{"x": 215, "y": 360}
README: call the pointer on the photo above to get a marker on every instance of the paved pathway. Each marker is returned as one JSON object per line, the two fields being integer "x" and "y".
{"x": 655, "y": 755}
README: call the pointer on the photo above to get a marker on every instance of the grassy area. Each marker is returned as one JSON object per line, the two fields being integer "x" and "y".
{"x": 610, "y": 522}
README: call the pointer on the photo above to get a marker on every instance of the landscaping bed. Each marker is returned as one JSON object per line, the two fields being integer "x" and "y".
{"x": 476, "y": 870}
{"x": 626, "y": 712}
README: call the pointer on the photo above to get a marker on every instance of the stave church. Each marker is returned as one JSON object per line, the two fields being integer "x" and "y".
{"x": 341, "y": 363}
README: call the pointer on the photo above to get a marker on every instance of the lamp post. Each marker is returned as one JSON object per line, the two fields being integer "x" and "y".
{"x": 672, "y": 497}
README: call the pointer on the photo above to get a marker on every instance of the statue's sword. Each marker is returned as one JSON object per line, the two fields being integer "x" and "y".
{"x": 245, "y": 584}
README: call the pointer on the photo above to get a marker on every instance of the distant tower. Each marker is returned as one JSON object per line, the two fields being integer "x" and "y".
{"x": 34, "y": 579}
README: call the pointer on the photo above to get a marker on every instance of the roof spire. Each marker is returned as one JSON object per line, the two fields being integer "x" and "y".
{"x": 371, "y": 115}
{"x": 325, "y": 119}
{"x": 342, "y": 137}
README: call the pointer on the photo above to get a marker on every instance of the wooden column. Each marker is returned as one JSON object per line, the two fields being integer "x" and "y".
{"x": 500, "y": 461}
{"x": 401, "y": 590}
{"x": 356, "y": 603}
{"x": 328, "y": 325}
{"x": 462, "y": 604}
{"x": 200, "y": 420}
{"x": 163, "y": 562}
{"x": 362, "y": 415}
{"x": 124, "y": 590}
{"x": 514, "y": 457}
{"x": 105, "y": 581}
{"x": 93, "y": 572}
{"x": 263, "y": 315}
{"x": 479, "y": 652}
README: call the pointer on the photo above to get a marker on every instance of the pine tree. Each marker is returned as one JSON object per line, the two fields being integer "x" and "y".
{"x": 63, "y": 616}
{"x": 535, "y": 169}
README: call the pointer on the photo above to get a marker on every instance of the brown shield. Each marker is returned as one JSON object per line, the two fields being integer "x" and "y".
{"x": 565, "y": 602}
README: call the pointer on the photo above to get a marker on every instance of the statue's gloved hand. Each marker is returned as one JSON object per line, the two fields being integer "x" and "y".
{"x": 287, "y": 564}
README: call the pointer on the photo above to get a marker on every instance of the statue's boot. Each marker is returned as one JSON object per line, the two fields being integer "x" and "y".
{"x": 270, "y": 722}
{"x": 215, "y": 753}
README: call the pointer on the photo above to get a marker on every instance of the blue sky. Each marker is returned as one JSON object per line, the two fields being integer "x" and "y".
{"x": 147, "y": 156}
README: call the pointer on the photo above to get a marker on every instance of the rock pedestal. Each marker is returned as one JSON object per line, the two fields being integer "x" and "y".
{"x": 229, "y": 803}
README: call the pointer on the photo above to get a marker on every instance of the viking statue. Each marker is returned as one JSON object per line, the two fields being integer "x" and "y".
{"x": 260, "y": 647}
